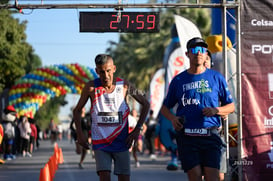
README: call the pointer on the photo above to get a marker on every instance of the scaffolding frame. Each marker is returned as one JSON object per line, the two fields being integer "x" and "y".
{"x": 224, "y": 5}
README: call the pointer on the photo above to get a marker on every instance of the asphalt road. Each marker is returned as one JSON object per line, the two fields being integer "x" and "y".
{"x": 28, "y": 169}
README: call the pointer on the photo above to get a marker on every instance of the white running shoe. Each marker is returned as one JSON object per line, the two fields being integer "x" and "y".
{"x": 28, "y": 154}
{"x": 153, "y": 157}
{"x": 137, "y": 164}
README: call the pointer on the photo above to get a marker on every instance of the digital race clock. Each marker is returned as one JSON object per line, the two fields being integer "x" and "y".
{"x": 135, "y": 22}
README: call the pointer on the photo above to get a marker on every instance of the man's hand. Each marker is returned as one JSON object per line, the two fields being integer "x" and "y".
{"x": 133, "y": 137}
{"x": 82, "y": 140}
{"x": 177, "y": 124}
{"x": 224, "y": 117}
{"x": 210, "y": 111}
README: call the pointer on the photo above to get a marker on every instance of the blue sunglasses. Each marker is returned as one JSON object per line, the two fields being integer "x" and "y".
{"x": 197, "y": 49}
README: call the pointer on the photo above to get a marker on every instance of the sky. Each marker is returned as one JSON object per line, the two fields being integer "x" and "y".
{"x": 54, "y": 35}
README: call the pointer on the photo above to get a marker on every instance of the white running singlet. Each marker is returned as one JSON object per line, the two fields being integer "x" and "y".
{"x": 109, "y": 113}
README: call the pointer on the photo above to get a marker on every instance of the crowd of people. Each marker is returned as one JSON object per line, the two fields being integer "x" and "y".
{"x": 20, "y": 136}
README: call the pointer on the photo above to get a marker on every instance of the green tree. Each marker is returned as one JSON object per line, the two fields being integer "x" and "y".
{"x": 138, "y": 56}
{"x": 16, "y": 56}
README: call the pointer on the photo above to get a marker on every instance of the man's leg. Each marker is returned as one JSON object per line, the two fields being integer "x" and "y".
{"x": 123, "y": 177}
{"x": 122, "y": 165}
{"x": 103, "y": 165}
{"x": 211, "y": 174}
{"x": 195, "y": 174}
{"x": 83, "y": 154}
{"x": 104, "y": 175}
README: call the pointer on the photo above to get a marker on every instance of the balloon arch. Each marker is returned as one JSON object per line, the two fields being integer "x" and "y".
{"x": 31, "y": 91}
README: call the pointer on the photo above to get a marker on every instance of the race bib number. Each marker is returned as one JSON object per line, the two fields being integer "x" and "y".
{"x": 110, "y": 118}
{"x": 197, "y": 132}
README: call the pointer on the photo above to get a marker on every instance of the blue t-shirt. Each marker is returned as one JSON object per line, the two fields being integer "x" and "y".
{"x": 192, "y": 93}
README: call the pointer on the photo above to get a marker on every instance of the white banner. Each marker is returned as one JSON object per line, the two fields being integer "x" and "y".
{"x": 157, "y": 91}
{"x": 186, "y": 30}
{"x": 177, "y": 59}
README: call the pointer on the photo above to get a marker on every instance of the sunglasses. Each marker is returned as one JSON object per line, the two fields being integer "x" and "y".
{"x": 197, "y": 49}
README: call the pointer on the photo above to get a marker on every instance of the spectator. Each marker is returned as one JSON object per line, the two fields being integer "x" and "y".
{"x": 53, "y": 131}
{"x": 85, "y": 125}
{"x": 60, "y": 131}
{"x": 137, "y": 146}
{"x": 25, "y": 132}
{"x": 8, "y": 123}
{"x": 151, "y": 134}
{"x": 33, "y": 135}
{"x": 38, "y": 136}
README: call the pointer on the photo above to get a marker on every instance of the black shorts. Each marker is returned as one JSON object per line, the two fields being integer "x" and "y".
{"x": 199, "y": 150}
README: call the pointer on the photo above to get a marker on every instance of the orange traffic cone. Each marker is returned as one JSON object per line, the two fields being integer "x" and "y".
{"x": 52, "y": 167}
{"x": 44, "y": 174}
{"x": 2, "y": 161}
{"x": 61, "y": 158}
{"x": 56, "y": 147}
{"x": 56, "y": 156}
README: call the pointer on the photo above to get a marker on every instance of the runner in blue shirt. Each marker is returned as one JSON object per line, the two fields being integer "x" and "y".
{"x": 201, "y": 96}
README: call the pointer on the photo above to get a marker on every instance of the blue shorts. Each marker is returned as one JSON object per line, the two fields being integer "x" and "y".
{"x": 199, "y": 150}
{"x": 121, "y": 161}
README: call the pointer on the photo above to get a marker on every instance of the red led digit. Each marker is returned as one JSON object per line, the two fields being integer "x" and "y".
{"x": 151, "y": 19}
{"x": 139, "y": 21}
{"x": 113, "y": 22}
{"x": 128, "y": 20}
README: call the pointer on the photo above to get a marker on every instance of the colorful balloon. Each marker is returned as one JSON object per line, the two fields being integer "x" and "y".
{"x": 32, "y": 90}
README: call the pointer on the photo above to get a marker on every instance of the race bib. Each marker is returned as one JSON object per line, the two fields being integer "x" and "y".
{"x": 109, "y": 118}
{"x": 197, "y": 132}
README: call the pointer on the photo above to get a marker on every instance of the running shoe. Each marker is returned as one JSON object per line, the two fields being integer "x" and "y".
{"x": 81, "y": 166}
{"x": 137, "y": 164}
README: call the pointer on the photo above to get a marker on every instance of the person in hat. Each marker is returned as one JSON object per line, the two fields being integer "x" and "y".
{"x": 8, "y": 123}
{"x": 208, "y": 63}
{"x": 202, "y": 97}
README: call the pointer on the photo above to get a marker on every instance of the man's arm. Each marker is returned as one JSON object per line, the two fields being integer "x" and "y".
{"x": 221, "y": 111}
{"x": 145, "y": 106}
{"x": 226, "y": 109}
{"x": 82, "y": 140}
{"x": 165, "y": 111}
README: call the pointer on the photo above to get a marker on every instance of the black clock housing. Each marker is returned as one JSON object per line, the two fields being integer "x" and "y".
{"x": 135, "y": 22}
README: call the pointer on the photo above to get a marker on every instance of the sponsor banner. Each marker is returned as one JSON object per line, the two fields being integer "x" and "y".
{"x": 257, "y": 88}
{"x": 177, "y": 63}
{"x": 175, "y": 59}
{"x": 157, "y": 87}
{"x": 257, "y": 16}
{"x": 186, "y": 30}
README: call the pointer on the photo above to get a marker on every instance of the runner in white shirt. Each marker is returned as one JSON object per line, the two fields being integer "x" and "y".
{"x": 109, "y": 112}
